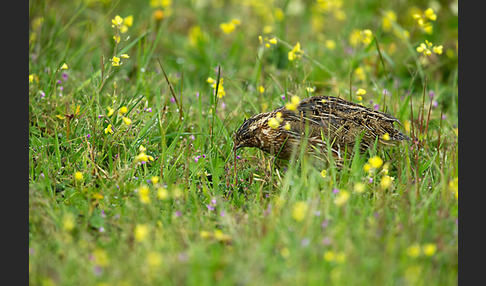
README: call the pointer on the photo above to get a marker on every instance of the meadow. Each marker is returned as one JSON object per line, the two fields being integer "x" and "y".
{"x": 133, "y": 180}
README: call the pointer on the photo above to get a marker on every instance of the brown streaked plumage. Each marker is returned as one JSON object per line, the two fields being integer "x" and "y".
{"x": 325, "y": 120}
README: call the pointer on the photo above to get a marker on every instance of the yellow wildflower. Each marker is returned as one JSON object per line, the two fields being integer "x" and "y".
{"x": 219, "y": 235}
{"x": 31, "y": 77}
{"x": 162, "y": 193}
{"x": 100, "y": 257}
{"x": 158, "y": 15}
{"x": 261, "y": 89}
{"x": 386, "y": 136}
{"x": 126, "y": 120}
{"x": 366, "y": 36}
{"x": 413, "y": 250}
{"x": 124, "y": 56}
{"x": 342, "y": 198}
{"x": 122, "y": 110}
{"x": 359, "y": 188}
{"x": 324, "y": 173}
{"x": 273, "y": 123}
{"x": 117, "y": 38}
{"x": 117, "y": 21}
{"x": 310, "y": 89}
{"x": 115, "y": 61}
{"x": 141, "y": 157}
{"x": 287, "y": 126}
{"x": 429, "y": 249}
{"x": 296, "y": 52}
{"x": 386, "y": 181}
{"x": 110, "y": 111}
{"x": 389, "y": 18}
{"x": 330, "y": 44}
{"x": 354, "y": 37}
{"x": 109, "y": 129}
{"x": 64, "y": 66}
{"x": 141, "y": 231}
{"x": 375, "y": 162}
{"x": 454, "y": 187}
{"x": 154, "y": 259}
{"x": 299, "y": 210}
{"x": 437, "y": 49}
{"x": 293, "y": 104}
{"x": 221, "y": 91}
{"x": 367, "y": 167}
{"x": 429, "y": 14}
{"x": 329, "y": 256}
{"x": 285, "y": 252}
{"x": 230, "y": 26}
{"x": 359, "y": 72}
{"x": 128, "y": 21}
{"x": 205, "y": 234}
{"x": 340, "y": 257}
{"x": 78, "y": 176}
{"x": 142, "y": 148}
{"x": 144, "y": 194}
{"x": 154, "y": 179}
{"x": 360, "y": 91}
{"x": 68, "y": 222}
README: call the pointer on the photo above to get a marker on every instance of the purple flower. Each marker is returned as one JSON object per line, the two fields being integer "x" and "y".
{"x": 64, "y": 76}
{"x": 435, "y": 103}
{"x": 222, "y": 213}
{"x": 370, "y": 180}
{"x": 87, "y": 136}
{"x": 101, "y": 229}
{"x": 335, "y": 191}
{"x": 325, "y": 223}
{"x": 431, "y": 94}
{"x": 268, "y": 210}
{"x": 386, "y": 92}
{"x": 213, "y": 201}
{"x": 59, "y": 81}
{"x": 283, "y": 97}
{"x": 196, "y": 158}
{"x": 305, "y": 241}
{"x": 197, "y": 94}
{"x": 238, "y": 157}
{"x": 376, "y": 107}
{"x": 42, "y": 94}
{"x": 210, "y": 207}
{"x": 172, "y": 100}
{"x": 178, "y": 213}
{"x": 192, "y": 137}
{"x": 326, "y": 240}
{"x": 97, "y": 270}
{"x": 102, "y": 214}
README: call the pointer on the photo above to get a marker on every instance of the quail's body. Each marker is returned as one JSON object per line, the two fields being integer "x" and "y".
{"x": 325, "y": 121}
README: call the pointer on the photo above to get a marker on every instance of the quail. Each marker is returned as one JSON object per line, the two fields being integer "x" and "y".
{"x": 327, "y": 122}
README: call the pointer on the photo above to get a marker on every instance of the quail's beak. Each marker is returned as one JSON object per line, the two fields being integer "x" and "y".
{"x": 238, "y": 145}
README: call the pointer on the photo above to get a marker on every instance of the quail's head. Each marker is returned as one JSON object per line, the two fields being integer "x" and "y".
{"x": 249, "y": 134}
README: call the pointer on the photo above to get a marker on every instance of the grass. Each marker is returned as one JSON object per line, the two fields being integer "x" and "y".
{"x": 164, "y": 199}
